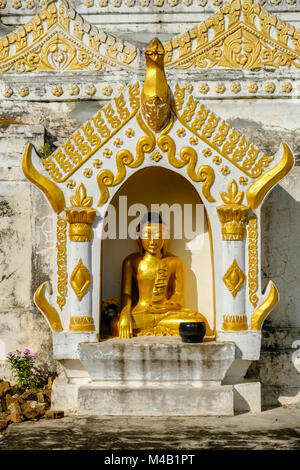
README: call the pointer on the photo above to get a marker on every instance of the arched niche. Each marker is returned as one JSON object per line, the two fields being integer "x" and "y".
{"x": 157, "y": 185}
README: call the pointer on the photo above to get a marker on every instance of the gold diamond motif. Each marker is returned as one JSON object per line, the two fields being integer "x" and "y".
{"x": 234, "y": 278}
{"x": 80, "y": 279}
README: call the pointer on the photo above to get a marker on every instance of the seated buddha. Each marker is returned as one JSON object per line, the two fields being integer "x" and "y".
{"x": 158, "y": 279}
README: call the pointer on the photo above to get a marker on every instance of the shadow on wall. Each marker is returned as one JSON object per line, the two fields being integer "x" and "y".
{"x": 279, "y": 366}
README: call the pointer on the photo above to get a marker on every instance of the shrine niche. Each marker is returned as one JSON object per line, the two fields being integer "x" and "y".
{"x": 152, "y": 125}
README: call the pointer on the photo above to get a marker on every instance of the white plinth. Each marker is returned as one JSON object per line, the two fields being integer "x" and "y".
{"x": 155, "y": 376}
{"x": 157, "y": 359}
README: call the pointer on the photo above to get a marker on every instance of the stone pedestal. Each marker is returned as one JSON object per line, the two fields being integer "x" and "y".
{"x": 152, "y": 376}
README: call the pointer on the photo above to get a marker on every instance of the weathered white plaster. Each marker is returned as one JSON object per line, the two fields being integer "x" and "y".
{"x": 157, "y": 359}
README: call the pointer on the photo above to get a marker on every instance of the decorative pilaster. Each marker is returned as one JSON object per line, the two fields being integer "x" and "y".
{"x": 80, "y": 218}
{"x": 233, "y": 217}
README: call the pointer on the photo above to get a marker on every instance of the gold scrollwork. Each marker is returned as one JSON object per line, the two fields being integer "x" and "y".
{"x": 61, "y": 261}
{"x": 265, "y": 182}
{"x": 252, "y": 260}
{"x": 265, "y": 308}
{"x": 188, "y": 156}
{"x": 47, "y": 310}
{"x": 52, "y": 192}
{"x": 106, "y": 178}
{"x": 237, "y": 36}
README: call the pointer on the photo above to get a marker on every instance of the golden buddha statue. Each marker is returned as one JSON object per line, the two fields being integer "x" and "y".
{"x": 158, "y": 277}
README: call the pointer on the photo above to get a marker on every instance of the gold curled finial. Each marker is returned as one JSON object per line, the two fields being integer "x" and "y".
{"x": 52, "y": 192}
{"x": 47, "y": 310}
{"x": 155, "y": 97}
{"x": 265, "y": 308}
{"x": 266, "y": 181}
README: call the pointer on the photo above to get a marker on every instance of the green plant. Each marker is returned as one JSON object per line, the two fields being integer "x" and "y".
{"x": 24, "y": 369}
{"x": 45, "y": 151}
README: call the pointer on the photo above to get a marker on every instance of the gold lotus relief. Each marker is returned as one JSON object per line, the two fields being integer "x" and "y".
{"x": 60, "y": 54}
{"x": 80, "y": 280}
{"x": 234, "y": 278}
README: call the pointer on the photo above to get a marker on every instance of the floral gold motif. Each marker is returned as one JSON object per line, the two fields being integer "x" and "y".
{"x": 88, "y": 173}
{"x": 23, "y": 91}
{"x": 156, "y": 156}
{"x": 233, "y": 214}
{"x": 80, "y": 280}
{"x": 8, "y": 92}
{"x": 234, "y": 278}
{"x": 81, "y": 217}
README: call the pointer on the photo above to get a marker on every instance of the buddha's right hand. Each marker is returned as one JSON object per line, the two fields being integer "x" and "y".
{"x": 125, "y": 324}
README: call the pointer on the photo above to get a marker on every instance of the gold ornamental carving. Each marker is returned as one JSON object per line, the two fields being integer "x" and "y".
{"x": 80, "y": 280}
{"x": 91, "y": 136}
{"x": 240, "y": 35}
{"x": 48, "y": 311}
{"x": 234, "y": 323}
{"x": 155, "y": 96}
{"x": 82, "y": 323}
{"x": 265, "y": 182}
{"x": 219, "y": 135}
{"x": 106, "y": 178}
{"x": 265, "y": 308}
{"x": 61, "y": 261}
{"x": 146, "y": 144}
{"x": 81, "y": 217}
{"x": 58, "y": 39}
{"x": 187, "y": 157}
{"x": 234, "y": 278}
{"x": 252, "y": 260}
{"x": 233, "y": 214}
{"x": 52, "y": 192}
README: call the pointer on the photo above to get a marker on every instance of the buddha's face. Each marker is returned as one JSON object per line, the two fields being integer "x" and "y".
{"x": 152, "y": 238}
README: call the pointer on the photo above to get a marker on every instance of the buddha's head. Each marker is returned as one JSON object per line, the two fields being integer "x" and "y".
{"x": 152, "y": 234}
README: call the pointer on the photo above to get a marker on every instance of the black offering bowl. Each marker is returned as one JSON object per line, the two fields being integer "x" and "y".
{"x": 192, "y": 332}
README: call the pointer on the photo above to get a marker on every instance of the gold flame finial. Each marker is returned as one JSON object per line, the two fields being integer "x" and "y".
{"x": 155, "y": 97}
